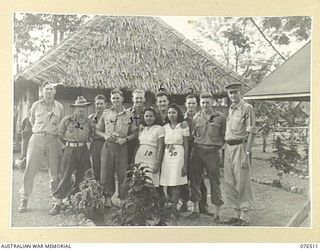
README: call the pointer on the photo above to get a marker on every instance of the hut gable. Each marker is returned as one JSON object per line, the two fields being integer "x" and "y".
{"x": 131, "y": 52}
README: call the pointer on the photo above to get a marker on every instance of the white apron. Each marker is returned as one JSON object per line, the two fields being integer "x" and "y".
{"x": 172, "y": 165}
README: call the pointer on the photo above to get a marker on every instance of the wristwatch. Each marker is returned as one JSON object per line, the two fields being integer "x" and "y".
{"x": 248, "y": 153}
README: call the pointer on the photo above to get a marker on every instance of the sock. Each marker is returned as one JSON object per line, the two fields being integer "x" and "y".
{"x": 244, "y": 215}
{"x": 196, "y": 206}
{"x": 217, "y": 211}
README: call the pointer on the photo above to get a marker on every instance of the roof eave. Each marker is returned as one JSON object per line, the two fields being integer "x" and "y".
{"x": 280, "y": 97}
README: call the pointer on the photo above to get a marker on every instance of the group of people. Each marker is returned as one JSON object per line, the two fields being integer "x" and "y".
{"x": 174, "y": 147}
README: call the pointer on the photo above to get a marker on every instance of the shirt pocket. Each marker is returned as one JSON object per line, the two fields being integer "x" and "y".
{"x": 40, "y": 116}
{"x": 237, "y": 122}
{"x": 54, "y": 119}
{"x": 199, "y": 130}
{"x": 214, "y": 130}
{"x": 83, "y": 133}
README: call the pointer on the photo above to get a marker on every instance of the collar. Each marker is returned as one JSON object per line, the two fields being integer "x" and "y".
{"x": 53, "y": 103}
{"x": 97, "y": 114}
{"x": 133, "y": 110}
{"x": 73, "y": 118}
{"x": 188, "y": 116}
{"x": 122, "y": 112}
{"x": 238, "y": 105}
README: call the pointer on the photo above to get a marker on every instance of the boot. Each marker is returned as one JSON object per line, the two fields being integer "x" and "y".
{"x": 23, "y": 206}
{"x": 55, "y": 210}
{"x": 184, "y": 207}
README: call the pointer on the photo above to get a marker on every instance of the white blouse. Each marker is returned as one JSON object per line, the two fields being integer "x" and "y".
{"x": 175, "y": 135}
{"x": 149, "y": 136}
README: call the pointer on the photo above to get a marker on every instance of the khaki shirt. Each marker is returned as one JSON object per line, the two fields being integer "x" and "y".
{"x": 241, "y": 121}
{"x": 209, "y": 131}
{"x": 44, "y": 121}
{"x": 73, "y": 131}
{"x": 189, "y": 119}
{"x": 94, "y": 118}
{"x": 119, "y": 125}
{"x": 137, "y": 116}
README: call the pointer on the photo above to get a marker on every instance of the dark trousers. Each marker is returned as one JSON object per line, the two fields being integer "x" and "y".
{"x": 95, "y": 151}
{"x": 210, "y": 160}
{"x": 185, "y": 194}
{"x": 132, "y": 147}
{"x": 73, "y": 159}
{"x": 114, "y": 160}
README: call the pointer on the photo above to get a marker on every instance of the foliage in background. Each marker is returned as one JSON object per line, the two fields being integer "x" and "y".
{"x": 250, "y": 45}
{"x": 286, "y": 158}
{"x": 144, "y": 206}
{"x": 36, "y": 33}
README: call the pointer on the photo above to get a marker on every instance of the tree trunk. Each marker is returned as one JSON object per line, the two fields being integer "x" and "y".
{"x": 55, "y": 30}
{"x": 268, "y": 41}
{"x": 264, "y": 144}
{"x": 236, "y": 58}
{"x": 62, "y": 28}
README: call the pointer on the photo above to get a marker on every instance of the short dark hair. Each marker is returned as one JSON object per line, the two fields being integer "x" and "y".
{"x": 206, "y": 95}
{"x": 138, "y": 91}
{"x": 176, "y": 107}
{"x": 191, "y": 96}
{"x": 100, "y": 97}
{"x": 156, "y": 121}
{"x": 116, "y": 91}
{"x": 45, "y": 83}
{"x": 161, "y": 93}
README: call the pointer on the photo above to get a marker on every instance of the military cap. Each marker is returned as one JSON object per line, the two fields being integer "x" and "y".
{"x": 206, "y": 95}
{"x": 233, "y": 87}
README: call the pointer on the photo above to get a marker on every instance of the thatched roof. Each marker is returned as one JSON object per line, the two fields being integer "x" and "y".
{"x": 131, "y": 52}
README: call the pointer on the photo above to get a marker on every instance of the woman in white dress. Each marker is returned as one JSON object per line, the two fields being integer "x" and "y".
{"x": 151, "y": 142}
{"x": 175, "y": 160}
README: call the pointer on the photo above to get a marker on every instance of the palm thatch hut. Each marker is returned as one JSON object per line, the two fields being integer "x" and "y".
{"x": 128, "y": 52}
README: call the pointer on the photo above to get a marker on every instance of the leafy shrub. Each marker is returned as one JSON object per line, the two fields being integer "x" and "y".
{"x": 144, "y": 205}
{"x": 89, "y": 200}
{"x": 287, "y": 157}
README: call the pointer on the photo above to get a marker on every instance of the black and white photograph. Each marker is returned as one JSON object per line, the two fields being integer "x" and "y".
{"x": 161, "y": 121}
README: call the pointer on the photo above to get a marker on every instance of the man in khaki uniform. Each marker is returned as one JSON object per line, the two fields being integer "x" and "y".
{"x": 239, "y": 137}
{"x": 45, "y": 116}
{"x": 138, "y": 99}
{"x": 75, "y": 132}
{"x": 209, "y": 131}
{"x": 162, "y": 103}
{"x": 191, "y": 105}
{"x": 97, "y": 141}
{"x": 116, "y": 127}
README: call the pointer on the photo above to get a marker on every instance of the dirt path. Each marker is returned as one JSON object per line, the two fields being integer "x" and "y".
{"x": 272, "y": 206}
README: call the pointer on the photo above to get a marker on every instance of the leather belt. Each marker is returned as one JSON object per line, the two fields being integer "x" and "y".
{"x": 203, "y": 146}
{"x": 234, "y": 142}
{"x": 75, "y": 144}
{"x": 45, "y": 134}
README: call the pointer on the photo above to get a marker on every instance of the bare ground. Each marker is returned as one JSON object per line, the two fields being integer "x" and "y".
{"x": 273, "y": 207}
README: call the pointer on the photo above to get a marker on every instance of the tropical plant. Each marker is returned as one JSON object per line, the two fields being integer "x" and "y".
{"x": 144, "y": 205}
{"x": 89, "y": 200}
{"x": 285, "y": 159}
